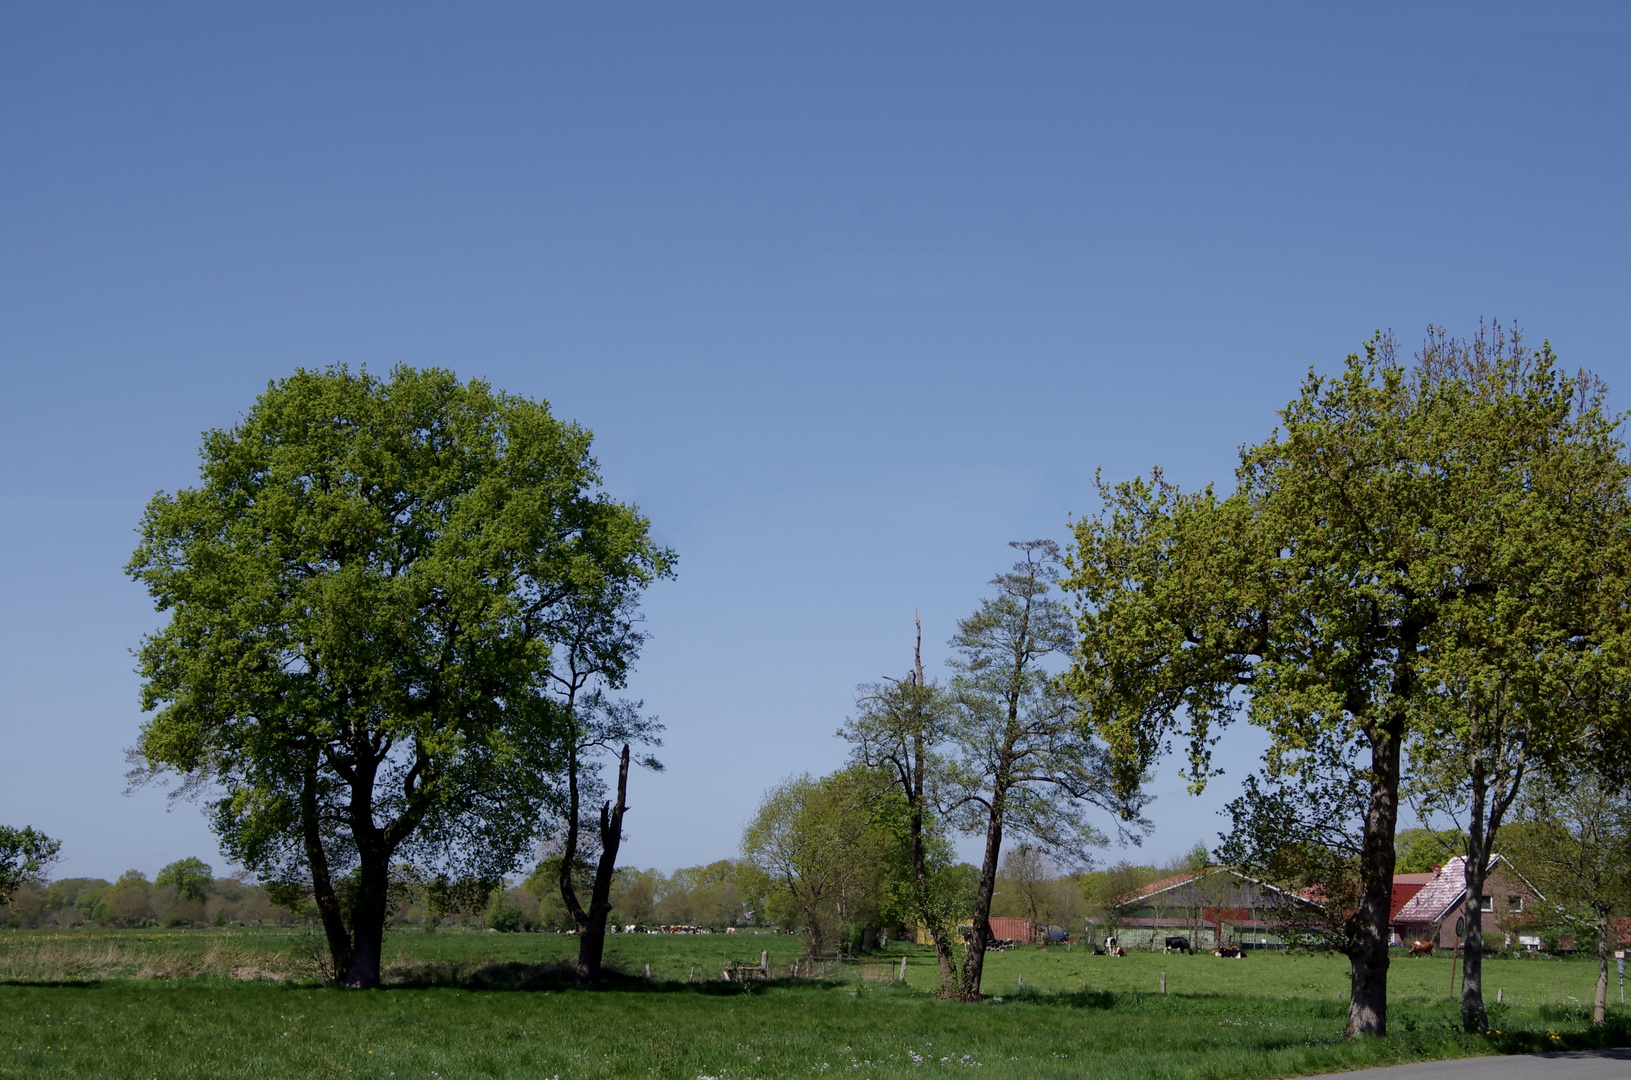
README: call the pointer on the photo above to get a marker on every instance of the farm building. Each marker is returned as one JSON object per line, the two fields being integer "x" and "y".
{"x": 1213, "y": 907}
{"x": 1439, "y": 906}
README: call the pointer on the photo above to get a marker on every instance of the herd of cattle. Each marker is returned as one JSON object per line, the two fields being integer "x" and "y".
{"x": 1172, "y": 944}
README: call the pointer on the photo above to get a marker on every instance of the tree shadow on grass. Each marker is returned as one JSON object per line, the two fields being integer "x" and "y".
{"x": 54, "y": 984}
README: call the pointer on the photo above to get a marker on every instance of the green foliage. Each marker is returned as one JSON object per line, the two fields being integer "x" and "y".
{"x": 545, "y": 883}
{"x": 634, "y": 896}
{"x": 191, "y": 877}
{"x": 24, "y": 855}
{"x": 364, "y": 593}
{"x": 507, "y": 917}
{"x": 708, "y": 895}
{"x": 1573, "y": 844}
{"x": 1401, "y": 525}
{"x": 1420, "y": 851}
{"x": 827, "y": 846}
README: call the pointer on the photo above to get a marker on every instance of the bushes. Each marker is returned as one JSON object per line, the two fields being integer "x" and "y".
{"x": 509, "y": 914}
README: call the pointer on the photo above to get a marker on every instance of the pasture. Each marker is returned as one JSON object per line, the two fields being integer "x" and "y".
{"x": 467, "y": 1004}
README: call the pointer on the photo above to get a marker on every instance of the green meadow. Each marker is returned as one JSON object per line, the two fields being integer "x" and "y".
{"x": 466, "y": 1004}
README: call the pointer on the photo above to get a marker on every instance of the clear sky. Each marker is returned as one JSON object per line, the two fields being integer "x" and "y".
{"x": 850, "y": 294}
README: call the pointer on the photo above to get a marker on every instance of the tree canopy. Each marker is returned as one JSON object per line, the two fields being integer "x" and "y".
{"x": 24, "y": 855}
{"x": 1393, "y": 532}
{"x": 192, "y": 877}
{"x": 364, "y": 594}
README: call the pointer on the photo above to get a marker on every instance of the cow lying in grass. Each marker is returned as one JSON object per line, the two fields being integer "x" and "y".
{"x": 1421, "y": 948}
{"x": 1231, "y": 952}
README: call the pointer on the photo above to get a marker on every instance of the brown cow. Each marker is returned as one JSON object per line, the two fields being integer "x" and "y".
{"x": 1421, "y": 948}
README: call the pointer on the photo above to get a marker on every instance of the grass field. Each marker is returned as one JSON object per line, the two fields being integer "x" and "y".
{"x": 133, "y": 1004}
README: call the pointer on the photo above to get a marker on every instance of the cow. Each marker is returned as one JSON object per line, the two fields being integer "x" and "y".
{"x": 1230, "y": 952}
{"x": 1118, "y": 951}
{"x": 1421, "y": 948}
{"x": 1097, "y": 951}
{"x": 1181, "y": 944}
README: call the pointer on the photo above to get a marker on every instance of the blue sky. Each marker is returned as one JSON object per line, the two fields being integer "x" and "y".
{"x": 851, "y": 295}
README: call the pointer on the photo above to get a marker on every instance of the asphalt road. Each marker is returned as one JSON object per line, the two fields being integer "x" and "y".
{"x": 1578, "y": 1065}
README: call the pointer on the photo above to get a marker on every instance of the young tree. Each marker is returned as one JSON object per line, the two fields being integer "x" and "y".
{"x": 598, "y": 637}
{"x": 365, "y": 592}
{"x": 1024, "y": 882}
{"x": 24, "y": 856}
{"x": 819, "y": 841}
{"x": 1021, "y": 761}
{"x": 1322, "y": 597}
{"x": 900, "y": 729}
{"x": 594, "y": 724}
{"x": 1575, "y": 847}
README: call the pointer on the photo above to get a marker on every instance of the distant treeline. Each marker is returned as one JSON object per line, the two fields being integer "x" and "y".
{"x": 185, "y": 893}
{"x": 734, "y": 892}
{"x": 729, "y": 892}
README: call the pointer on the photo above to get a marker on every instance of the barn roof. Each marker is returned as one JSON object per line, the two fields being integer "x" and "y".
{"x": 1176, "y": 880}
{"x": 1443, "y": 892}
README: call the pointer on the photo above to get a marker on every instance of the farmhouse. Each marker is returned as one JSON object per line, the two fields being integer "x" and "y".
{"x": 1438, "y": 909}
{"x": 1213, "y": 907}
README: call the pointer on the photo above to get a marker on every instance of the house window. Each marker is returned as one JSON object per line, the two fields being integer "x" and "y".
{"x": 1514, "y": 903}
{"x": 1486, "y": 903}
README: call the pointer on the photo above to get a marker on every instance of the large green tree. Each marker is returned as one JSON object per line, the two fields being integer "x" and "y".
{"x": 365, "y": 592}
{"x": 1331, "y": 599}
{"x": 1528, "y": 663}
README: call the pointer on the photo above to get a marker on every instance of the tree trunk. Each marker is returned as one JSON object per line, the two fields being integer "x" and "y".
{"x": 1368, "y": 927}
{"x": 1474, "y": 1020}
{"x": 368, "y": 919}
{"x": 974, "y": 962}
{"x": 1599, "y": 1007}
{"x": 322, "y": 884}
{"x": 569, "y": 849}
{"x": 592, "y": 935}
